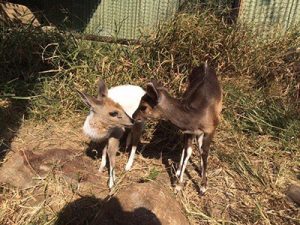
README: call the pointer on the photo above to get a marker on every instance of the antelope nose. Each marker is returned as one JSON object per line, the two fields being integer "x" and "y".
{"x": 130, "y": 123}
{"x": 138, "y": 120}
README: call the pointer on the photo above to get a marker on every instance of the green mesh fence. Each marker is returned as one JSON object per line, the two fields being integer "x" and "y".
{"x": 132, "y": 18}
{"x": 269, "y": 17}
{"x": 119, "y": 18}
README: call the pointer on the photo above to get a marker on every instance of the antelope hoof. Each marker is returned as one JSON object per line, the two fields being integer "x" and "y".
{"x": 100, "y": 169}
{"x": 202, "y": 190}
{"x": 128, "y": 167}
{"x": 111, "y": 183}
{"x": 178, "y": 188}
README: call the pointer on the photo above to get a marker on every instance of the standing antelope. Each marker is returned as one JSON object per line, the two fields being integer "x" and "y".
{"x": 109, "y": 114}
{"x": 197, "y": 114}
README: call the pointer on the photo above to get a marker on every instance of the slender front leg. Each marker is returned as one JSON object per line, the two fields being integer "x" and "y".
{"x": 131, "y": 158}
{"x": 136, "y": 132}
{"x": 182, "y": 157}
{"x": 189, "y": 151}
{"x": 200, "y": 142}
{"x": 206, "y": 144}
{"x": 181, "y": 163}
{"x": 113, "y": 146}
{"x": 103, "y": 159}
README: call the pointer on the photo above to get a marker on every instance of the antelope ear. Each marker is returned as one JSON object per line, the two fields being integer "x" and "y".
{"x": 102, "y": 89}
{"x": 90, "y": 101}
{"x": 153, "y": 91}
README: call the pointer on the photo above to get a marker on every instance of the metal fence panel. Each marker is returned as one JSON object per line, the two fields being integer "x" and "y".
{"x": 119, "y": 18}
{"x": 270, "y": 16}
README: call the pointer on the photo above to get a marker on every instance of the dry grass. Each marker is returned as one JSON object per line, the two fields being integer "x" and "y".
{"x": 255, "y": 154}
{"x": 247, "y": 178}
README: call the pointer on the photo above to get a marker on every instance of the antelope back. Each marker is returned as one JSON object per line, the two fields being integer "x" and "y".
{"x": 204, "y": 89}
{"x": 203, "y": 93}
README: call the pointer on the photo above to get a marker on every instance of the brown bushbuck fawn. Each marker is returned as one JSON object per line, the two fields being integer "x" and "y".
{"x": 109, "y": 115}
{"x": 197, "y": 114}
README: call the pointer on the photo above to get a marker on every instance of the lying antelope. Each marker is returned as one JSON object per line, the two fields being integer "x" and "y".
{"x": 109, "y": 114}
{"x": 197, "y": 114}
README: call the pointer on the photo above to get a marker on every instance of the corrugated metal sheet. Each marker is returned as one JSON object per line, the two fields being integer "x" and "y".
{"x": 270, "y": 16}
{"x": 118, "y": 18}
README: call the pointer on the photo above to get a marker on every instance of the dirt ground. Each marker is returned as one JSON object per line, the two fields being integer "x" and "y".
{"x": 240, "y": 190}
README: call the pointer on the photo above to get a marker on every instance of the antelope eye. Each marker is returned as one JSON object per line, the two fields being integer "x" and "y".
{"x": 143, "y": 108}
{"x": 114, "y": 113}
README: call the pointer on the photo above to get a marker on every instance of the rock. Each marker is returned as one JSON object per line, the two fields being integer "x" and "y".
{"x": 22, "y": 167}
{"x": 14, "y": 172}
{"x": 293, "y": 193}
{"x": 143, "y": 203}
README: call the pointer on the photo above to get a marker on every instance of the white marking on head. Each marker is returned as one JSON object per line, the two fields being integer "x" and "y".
{"x": 91, "y": 132}
{"x": 128, "y": 96}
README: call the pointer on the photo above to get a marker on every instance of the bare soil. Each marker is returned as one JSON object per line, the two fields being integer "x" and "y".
{"x": 244, "y": 185}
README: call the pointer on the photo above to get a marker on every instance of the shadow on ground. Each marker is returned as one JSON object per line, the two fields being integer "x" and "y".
{"x": 93, "y": 211}
{"x": 22, "y": 58}
{"x": 166, "y": 144}
{"x": 12, "y": 111}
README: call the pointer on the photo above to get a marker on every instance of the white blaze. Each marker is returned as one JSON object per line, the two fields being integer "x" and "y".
{"x": 128, "y": 96}
{"x": 91, "y": 132}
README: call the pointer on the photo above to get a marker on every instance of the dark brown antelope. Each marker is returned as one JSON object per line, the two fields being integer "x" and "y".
{"x": 197, "y": 114}
{"x": 109, "y": 114}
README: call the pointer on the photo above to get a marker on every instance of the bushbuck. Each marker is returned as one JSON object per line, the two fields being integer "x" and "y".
{"x": 196, "y": 114}
{"x": 110, "y": 113}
